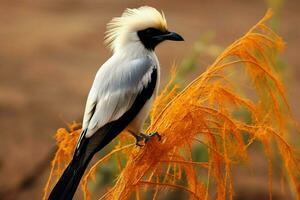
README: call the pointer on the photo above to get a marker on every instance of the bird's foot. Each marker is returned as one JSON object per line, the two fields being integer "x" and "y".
{"x": 144, "y": 137}
{"x": 151, "y": 135}
{"x": 138, "y": 139}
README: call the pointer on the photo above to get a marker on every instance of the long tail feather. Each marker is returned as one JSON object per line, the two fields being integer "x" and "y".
{"x": 66, "y": 187}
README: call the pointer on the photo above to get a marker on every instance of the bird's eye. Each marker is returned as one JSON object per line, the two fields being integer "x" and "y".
{"x": 152, "y": 31}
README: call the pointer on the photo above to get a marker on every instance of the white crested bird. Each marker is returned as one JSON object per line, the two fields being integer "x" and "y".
{"x": 123, "y": 91}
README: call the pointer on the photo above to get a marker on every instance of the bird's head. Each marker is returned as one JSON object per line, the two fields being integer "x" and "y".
{"x": 144, "y": 26}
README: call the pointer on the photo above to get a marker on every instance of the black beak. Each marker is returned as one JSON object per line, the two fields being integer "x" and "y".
{"x": 169, "y": 36}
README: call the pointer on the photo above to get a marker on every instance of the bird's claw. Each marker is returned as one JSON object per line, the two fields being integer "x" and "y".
{"x": 157, "y": 135}
{"x": 146, "y": 138}
{"x": 138, "y": 139}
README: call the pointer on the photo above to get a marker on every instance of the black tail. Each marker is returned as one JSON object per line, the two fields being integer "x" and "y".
{"x": 66, "y": 187}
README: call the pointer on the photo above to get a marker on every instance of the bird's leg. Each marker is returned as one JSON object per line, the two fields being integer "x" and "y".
{"x": 143, "y": 136}
{"x": 138, "y": 138}
{"x": 151, "y": 135}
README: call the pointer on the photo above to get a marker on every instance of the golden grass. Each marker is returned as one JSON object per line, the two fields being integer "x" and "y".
{"x": 203, "y": 114}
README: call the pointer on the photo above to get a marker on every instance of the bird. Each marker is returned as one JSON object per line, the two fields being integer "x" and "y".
{"x": 123, "y": 90}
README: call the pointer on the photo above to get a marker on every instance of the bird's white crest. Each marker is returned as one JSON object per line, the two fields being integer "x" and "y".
{"x": 120, "y": 29}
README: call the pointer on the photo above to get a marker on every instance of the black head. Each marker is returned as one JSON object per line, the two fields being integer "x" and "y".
{"x": 151, "y": 37}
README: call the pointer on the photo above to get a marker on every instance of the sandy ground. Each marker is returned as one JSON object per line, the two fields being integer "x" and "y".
{"x": 50, "y": 51}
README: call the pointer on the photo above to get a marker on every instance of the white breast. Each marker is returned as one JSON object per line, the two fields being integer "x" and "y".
{"x": 136, "y": 125}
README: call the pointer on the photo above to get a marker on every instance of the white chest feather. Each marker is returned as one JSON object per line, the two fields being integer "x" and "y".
{"x": 136, "y": 125}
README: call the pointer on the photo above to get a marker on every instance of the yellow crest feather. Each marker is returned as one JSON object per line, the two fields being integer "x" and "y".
{"x": 133, "y": 20}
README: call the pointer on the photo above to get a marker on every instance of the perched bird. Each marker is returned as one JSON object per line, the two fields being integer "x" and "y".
{"x": 123, "y": 90}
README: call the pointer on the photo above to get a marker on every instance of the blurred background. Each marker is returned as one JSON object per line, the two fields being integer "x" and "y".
{"x": 50, "y": 51}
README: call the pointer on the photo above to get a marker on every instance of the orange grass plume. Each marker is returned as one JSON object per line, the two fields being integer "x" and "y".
{"x": 204, "y": 114}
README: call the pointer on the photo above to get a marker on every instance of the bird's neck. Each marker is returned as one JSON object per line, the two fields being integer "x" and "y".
{"x": 134, "y": 50}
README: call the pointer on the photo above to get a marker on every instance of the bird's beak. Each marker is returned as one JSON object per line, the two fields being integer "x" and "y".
{"x": 173, "y": 36}
{"x": 169, "y": 36}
